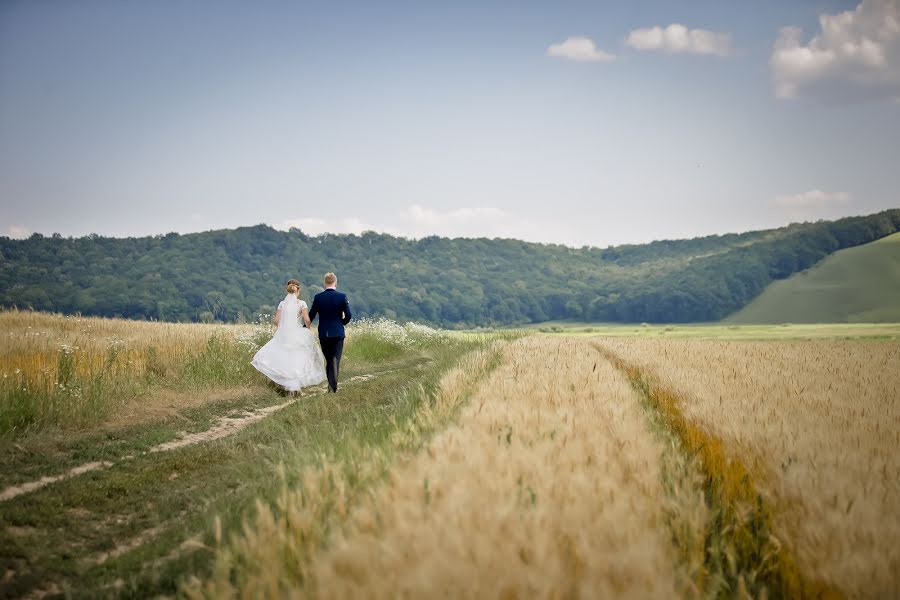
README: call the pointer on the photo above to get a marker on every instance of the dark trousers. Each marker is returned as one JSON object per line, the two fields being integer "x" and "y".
{"x": 332, "y": 348}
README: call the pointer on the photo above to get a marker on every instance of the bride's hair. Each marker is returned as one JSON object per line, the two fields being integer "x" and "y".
{"x": 293, "y": 286}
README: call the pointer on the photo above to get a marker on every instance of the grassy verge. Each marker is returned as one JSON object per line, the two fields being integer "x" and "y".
{"x": 144, "y": 525}
{"x": 273, "y": 553}
{"x": 76, "y": 389}
{"x": 740, "y": 554}
{"x": 109, "y": 397}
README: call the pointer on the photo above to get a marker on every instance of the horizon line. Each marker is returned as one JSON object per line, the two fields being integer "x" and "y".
{"x": 325, "y": 235}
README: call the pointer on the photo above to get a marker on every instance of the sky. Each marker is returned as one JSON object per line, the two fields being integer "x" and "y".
{"x": 581, "y": 123}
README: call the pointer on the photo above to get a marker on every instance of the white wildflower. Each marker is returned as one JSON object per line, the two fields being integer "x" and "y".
{"x": 408, "y": 335}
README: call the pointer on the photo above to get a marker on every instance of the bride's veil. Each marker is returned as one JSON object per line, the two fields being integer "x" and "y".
{"x": 289, "y": 311}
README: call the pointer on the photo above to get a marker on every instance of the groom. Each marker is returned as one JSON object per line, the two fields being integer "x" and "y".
{"x": 334, "y": 312}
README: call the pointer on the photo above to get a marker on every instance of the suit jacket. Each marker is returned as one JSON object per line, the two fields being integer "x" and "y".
{"x": 333, "y": 310}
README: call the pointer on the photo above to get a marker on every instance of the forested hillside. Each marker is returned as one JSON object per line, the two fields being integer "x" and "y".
{"x": 237, "y": 274}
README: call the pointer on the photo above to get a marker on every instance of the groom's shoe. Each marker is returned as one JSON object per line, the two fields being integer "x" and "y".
{"x": 333, "y": 390}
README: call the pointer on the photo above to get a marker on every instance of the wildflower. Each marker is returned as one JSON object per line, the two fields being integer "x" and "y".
{"x": 408, "y": 335}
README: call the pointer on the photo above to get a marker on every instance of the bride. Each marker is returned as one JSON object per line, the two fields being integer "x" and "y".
{"x": 292, "y": 359}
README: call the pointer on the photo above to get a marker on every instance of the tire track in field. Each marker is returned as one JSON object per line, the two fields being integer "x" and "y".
{"x": 224, "y": 427}
{"x": 547, "y": 486}
{"x": 742, "y": 553}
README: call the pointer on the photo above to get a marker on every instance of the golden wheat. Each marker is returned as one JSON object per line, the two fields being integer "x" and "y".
{"x": 548, "y": 486}
{"x": 823, "y": 420}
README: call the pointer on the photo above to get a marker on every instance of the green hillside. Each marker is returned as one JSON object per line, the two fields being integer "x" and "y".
{"x": 856, "y": 285}
{"x": 237, "y": 274}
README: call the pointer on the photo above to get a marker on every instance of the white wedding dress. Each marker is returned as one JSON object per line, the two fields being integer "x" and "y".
{"x": 292, "y": 358}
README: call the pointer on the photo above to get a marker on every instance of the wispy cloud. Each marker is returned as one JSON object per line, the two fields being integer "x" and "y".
{"x": 813, "y": 198}
{"x": 417, "y": 221}
{"x": 677, "y": 38}
{"x": 17, "y": 232}
{"x": 316, "y": 226}
{"x": 421, "y": 216}
{"x": 580, "y": 49}
{"x": 854, "y": 55}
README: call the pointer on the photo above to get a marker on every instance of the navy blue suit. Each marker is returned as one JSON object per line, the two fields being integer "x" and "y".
{"x": 333, "y": 310}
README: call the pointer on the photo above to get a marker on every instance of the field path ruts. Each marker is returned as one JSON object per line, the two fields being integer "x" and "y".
{"x": 548, "y": 485}
{"x": 226, "y": 426}
{"x": 816, "y": 425}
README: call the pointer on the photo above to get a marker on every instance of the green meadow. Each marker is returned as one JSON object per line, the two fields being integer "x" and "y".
{"x": 856, "y": 285}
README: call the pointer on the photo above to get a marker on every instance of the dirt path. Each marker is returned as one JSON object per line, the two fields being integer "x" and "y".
{"x": 17, "y": 490}
{"x": 226, "y": 426}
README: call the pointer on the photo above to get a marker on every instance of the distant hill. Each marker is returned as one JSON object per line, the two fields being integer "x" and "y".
{"x": 856, "y": 285}
{"x": 236, "y": 274}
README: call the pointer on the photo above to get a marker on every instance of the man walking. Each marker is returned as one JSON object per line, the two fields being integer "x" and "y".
{"x": 333, "y": 310}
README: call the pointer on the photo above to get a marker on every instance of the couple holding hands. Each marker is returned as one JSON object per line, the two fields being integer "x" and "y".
{"x": 292, "y": 359}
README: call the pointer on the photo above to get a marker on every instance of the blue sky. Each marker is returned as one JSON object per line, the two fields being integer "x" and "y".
{"x": 135, "y": 118}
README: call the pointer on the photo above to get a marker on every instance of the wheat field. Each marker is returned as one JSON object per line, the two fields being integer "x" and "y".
{"x": 537, "y": 465}
{"x": 547, "y": 484}
{"x": 820, "y": 422}
{"x": 558, "y": 478}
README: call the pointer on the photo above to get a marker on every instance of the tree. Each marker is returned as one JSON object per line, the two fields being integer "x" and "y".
{"x": 218, "y": 275}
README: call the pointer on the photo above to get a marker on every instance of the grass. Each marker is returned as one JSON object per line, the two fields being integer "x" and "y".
{"x": 75, "y": 373}
{"x": 177, "y": 495}
{"x": 147, "y": 523}
{"x": 273, "y": 553}
{"x": 855, "y": 285}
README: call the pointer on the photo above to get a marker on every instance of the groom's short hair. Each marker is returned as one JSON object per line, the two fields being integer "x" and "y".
{"x": 330, "y": 278}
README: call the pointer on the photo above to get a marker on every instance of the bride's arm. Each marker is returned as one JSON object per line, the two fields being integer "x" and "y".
{"x": 306, "y": 318}
{"x": 277, "y": 318}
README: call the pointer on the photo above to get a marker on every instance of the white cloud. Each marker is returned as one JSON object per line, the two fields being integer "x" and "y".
{"x": 580, "y": 49}
{"x": 316, "y": 226}
{"x": 417, "y": 221}
{"x": 813, "y": 198}
{"x": 677, "y": 38}
{"x": 426, "y": 218}
{"x": 17, "y": 232}
{"x": 855, "y": 55}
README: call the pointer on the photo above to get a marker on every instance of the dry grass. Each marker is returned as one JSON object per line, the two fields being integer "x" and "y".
{"x": 75, "y": 372}
{"x": 273, "y": 555}
{"x": 548, "y": 486}
{"x": 31, "y": 343}
{"x": 162, "y": 403}
{"x": 817, "y": 424}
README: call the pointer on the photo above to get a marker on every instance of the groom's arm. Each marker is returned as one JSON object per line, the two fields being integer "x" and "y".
{"x": 346, "y": 309}
{"x": 313, "y": 311}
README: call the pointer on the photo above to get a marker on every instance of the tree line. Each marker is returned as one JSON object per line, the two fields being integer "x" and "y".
{"x": 238, "y": 274}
